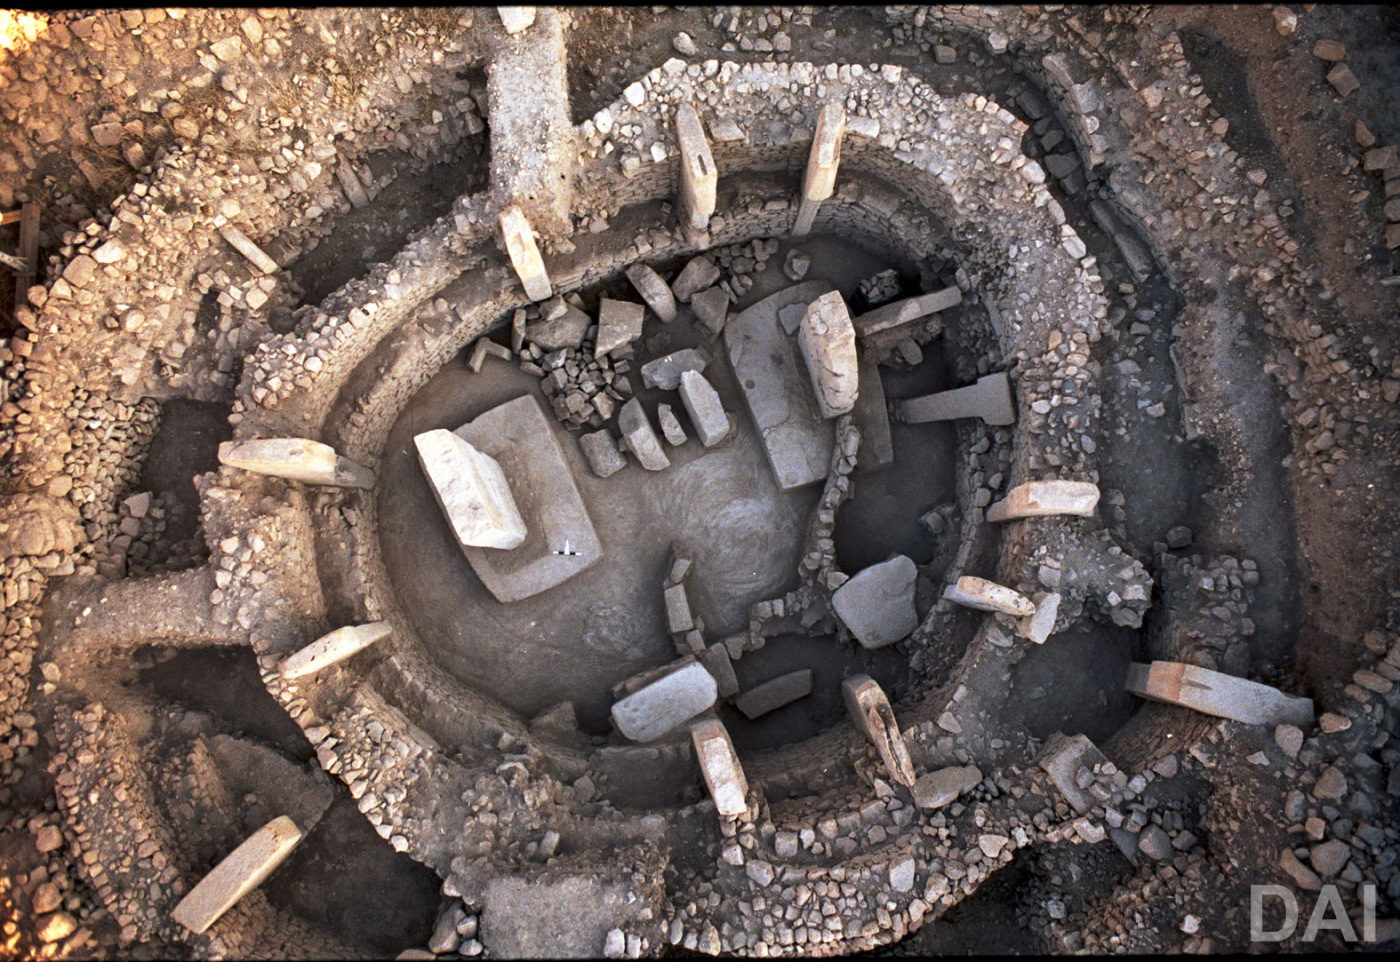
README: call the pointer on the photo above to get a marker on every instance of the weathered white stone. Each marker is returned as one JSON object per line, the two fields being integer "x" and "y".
{"x": 333, "y": 647}
{"x": 297, "y": 459}
{"x": 823, "y": 160}
{"x": 988, "y": 596}
{"x": 707, "y": 413}
{"x": 657, "y": 709}
{"x": 1038, "y": 626}
{"x": 602, "y": 453}
{"x": 641, "y": 437}
{"x": 516, "y": 19}
{"x": 775, "y": 693}
{"x": 989, "y": 399}
{"x": 942, "y": 787}
{"x": 903, "y": 312}
{"x": 654, "y": 291}
{"x": 525, "y": 254}
{"x": 241, "y": 871}
{"x": 871, "y": 713}
{"x": 877, "y": 605}
{"x": 472, "y": 491}
{"x": 711, "y": 307}
{"x": 1036, "y": 499}
{"x": 699, "y": 176}
{"x": 828, "y": 344}
{"x": 619, "y": 323}
{"x": 248, "y": 249}
{"x": 698, "y": 274}
{"x": 1219, "y": 694}
{"x": 665, "y": 372}
{"x": 719, "y": 764}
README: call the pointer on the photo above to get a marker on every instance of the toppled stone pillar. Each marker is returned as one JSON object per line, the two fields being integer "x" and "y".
{"x": 775, "y": 693}
{"x": 719, "y": 764}
{"x": 472, "y": 491}
{"x": 1063, "y": 758}
{"x": 619, "y": 323}
{"x": 988, "y": 399}
{"x": 654, "y": 291}
{"x": 296, "y": 459}
{"x": 1219, "y": 694}
{"x": 707, "y": 413}
{"x": 525, "y": 254}
{"x": 241, "y": 871}
{"x": 248, "y": 249}
{"x": 1036, "y": 499}
{"x": 516, "y": 19}
{"x": 828, "y": 343}
{"x": 699, "y": 176}
{"x": 331, "y": 648}
{"x": 871, "y": 713}
{"x": 822, "y": 161}
{"x": 640, "y": 436}
{"x": 877, "y": 605}
{"x": 903, "y": 312}
{"x": 986, "y": 595}
{"x": 656, "y": 710}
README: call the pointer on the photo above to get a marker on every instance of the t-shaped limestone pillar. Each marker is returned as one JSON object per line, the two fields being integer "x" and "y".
{"x": 870, "y": 711}
{"x": 1219, "y": 694}
{"x": 472, "y": 491}
{"x": 825, "y": 156}
{"x": 296, "y": 459}
{"x": 1036, "y": 499}
{"x": 525, "y": 254}
{"x": 986, "y": 595}
{"x": 828, "y": 343}
{"x": 699, "y": 176}
{"x": 331, "y": 648}
{"x": 241, "y": 871}
{"x": 719, "y": 764}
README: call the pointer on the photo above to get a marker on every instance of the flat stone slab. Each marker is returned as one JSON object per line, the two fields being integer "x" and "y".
{"x": 296, "y": 459}
{"x": 774, "y": 694}
{"x": 873, "y": 717}
{"x": 877, "y": 605}
{"x": 1036, "y": 499}
{"x": 697, "y": 275}
{"x": 987, "y": 595}
{"x": 522, "y": 440}
{"x": 241, "y": 871}
{"x": 604, "y": 457}
{"x": 711, "y": 307}
{"x": 1219, "y": 694}
{"x": 937, "y": 789}
{"x": 702, "y": 403}
{"x": 719, "y": 764}
{"x": 1062, "y": 759}
{"x": 871, "y": 417}
{"x": 988, "y": 399}
{"x": 472, "y": 491}
{"x": 640, "y": 437}
{"x": 566, "y": 330}
{"x": 777, "y": 391}
{"x": 828, "y": 344}
{"x": 654, "y": 291}
{"x": 516, "y": 19}
{"x": 1037, "y": 627}
{"x": 678, "y": 617}
{"x": 716, "y": 660}
{"x": 665, "y": 372}
{"x": 331, "y": 648}
{"x": 619, "y": 323}
{"x": 907, "y": 310}
{"x": 665, "y": 704}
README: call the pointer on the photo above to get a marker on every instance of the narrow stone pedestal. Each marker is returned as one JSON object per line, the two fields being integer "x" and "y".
{"x": 1219, "y": 694}
{"x": 871, "y": 713}
{"x": 241, "y": 871}
{"x": 472, "y": 491}
{"x": 719, "y": 764}
{"x": 988, "y": 399}
{"x": 296, "y": 459}
{"x": 1036, "y": 499}
{"x": 525, "y": 254}
{"x": 333, "y": 647}
{"x": 823, "y": 160}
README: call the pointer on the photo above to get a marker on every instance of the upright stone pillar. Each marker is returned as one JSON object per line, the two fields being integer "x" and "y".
{"x": 719, "y": 764}
{"x": 828, "y": 343}
{"x": 525, "y": 254}
{"x": 871, "y": 713}
{"x": 699, "y": 176}
{"x": 820, "y": 180}
{"x": 241, "y": 871}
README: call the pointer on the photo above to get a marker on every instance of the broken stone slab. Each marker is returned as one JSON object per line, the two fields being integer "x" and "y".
{"x": 877, "y": 605}
{"x": 255, "y": 254}
{"x": 775, "y": 693}
{"x": 777, "y": 392}
{"x": 241, "y": 871}
{"x": 555, "y": 334}
{"x": 702, "y": 403}
{"x": 1219, "y": 694}
{"x": 654, "y": 291}
{"x": 522, "y": 440}
{"x": 717, "y": 662}
{"x": 871, "y": 416}
{"x": 472, "y": 491}
{"x": 1036, "y": 499}
{"x": 333, "y": 647}
{"x": 699, "y": 176}
{"x": 828, "y": 343}
{"x": 719, "y": 764}
{"x": 297, "y": 459}
{"x": 937, "y": 789}
{"x": 602, "y": 453}
{"x": 1037, "y": 627}
{"x": 905, "y": 311}
{"x": 874, "y": 718}
{"x": 619, "y": 323}
{"x": 986, "y": 595}
{"x": 525, "y": 254}
{"x": 665, "y": 372}
{"x": 678, "y": 617}
{"x": 662, "y": 706}
{"x": 697, "y": 275}
{"x": 640, "y": 436}
{"x": 670, "y": 425}
{"x": 988, "y": 399}
{"x": 1063, "y": 758}
{"x": 711, "y": 307}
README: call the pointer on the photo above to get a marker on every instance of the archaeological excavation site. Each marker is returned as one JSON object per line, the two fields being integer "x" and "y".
{"x": 528, "y": 482}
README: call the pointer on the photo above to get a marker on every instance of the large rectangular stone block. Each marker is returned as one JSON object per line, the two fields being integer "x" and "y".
{"x": 719, "y": 764}
{"x": 472, "y": 491}
{"x": 873, "y": 717}
{"x": 871, "y": 417}
{"x": 910, "y": 309}
{"x": 296, "y": 459}
{"x": 988, "y": 399}
{"x": 775, "y": 693}
{"x": 1036, "y": 499}
{"x": 824, "y": 158}
{"x": 828, "y": 344}
{"x": 986, "y": 595}
{"x": 619, "y": 323}
{"x": 1219, "y": 694}
{"x": 241, "y": 871}
{"x": 1063, "y": 758}
{"x": 525, "y": 254}
{"x": 665, "y": 372}
{"x": 654, "y": 291}
{"x": 699, "y": 176}
{"x": 877, "y": 605}
{"x": 665, "y": 704}
{"x": 333, "y": 647}
{"x": 640, "y": 437}
{"x": 706, "y": 411}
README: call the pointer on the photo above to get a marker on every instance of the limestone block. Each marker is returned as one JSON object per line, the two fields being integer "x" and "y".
{"x": 525, "y": 254}
{"x": 665, "y": 372}
{"x": 678, "y": 617}
{"x": 1219, "y": 694}
{"x": 877, "y": 605}
{"x": 241, "y": 871}
{"x": 825, "y": 156}
{"x": 699, "y": 176}
{"x": 602, "y": 453}
{"x": 711, "y": 307}
{"x": 641, "y": 437}
{"x": 828, "y": 343}
{"x": 516, "y": 19}
{"x": 697, "y": 275}
{"x": 1036, "y": 499}
{"x": 619, "y": 323}
{"x": 654, "y": 291}
{"x": 719, "y": 764}
{"x": 296, "y": 459}
{"x": 902, "y": 312}
{"x": 1062, "y": 759}
{"x": 1038, "y": 626}
{"x": 472, "y": 491}
{"x": 331, "y": 648}
{"x": 702, "y": 403}
{"x": 871, "y": 713}
{"x": 566, "y": 330}
{"x": 657, "y": 709}
{"x": 670, "y": 425}
{"x": 937, "y": 789}
{"x": 248, "y": 249}
{"x": 775, "y": 693}
{"x": 988, "y": 596}
{"x": 716, "y": 660}
{"x": 988, "y": 399}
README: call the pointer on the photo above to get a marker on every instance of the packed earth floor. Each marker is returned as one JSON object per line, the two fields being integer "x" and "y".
{"x": 764, "y": 481}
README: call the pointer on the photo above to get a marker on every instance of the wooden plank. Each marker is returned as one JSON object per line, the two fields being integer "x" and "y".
{"x": 29, "y": 250}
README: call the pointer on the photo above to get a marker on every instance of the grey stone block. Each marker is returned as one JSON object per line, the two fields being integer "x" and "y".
{"x": 936, "y": 789}
{"x": 989, "y": 399}
{"x": 702, "y": 403}
{"x": 877, "y": 605}
{"x": 602, "y": 453}
{"x": 654, "y": 291}
{"x": 774, "y": 694}
{"x": 711, "y": 307}
{"x": 641, "y": 437}
{"x": 665, "y": 372}
{"x": 671, "y": 701}
{"x": 619, "y": 323}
